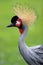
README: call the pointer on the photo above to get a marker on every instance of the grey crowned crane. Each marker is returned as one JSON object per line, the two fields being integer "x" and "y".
{"x": 32, "y": 55}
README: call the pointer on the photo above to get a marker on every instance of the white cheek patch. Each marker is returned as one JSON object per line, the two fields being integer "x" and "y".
{"x": 17, "y": 22}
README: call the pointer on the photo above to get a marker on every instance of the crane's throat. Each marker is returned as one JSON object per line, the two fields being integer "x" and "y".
{"x": 21, "y": 28}
{"x": 21, "y": 31}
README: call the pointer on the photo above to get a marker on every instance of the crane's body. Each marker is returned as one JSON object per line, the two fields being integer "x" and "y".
{"x": 32, "y": 55}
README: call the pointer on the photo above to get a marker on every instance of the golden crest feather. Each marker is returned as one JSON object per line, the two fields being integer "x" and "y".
{"x": 27, "y": 16}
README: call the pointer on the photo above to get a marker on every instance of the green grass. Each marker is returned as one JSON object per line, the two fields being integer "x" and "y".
{"x": 9, "y": 54}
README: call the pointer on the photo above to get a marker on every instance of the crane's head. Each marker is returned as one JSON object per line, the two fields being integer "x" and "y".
{"x": 16, "y": 22}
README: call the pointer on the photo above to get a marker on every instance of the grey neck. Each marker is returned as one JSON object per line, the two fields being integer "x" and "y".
{"x": 22, "y": 46}
{"x": 22, "y": 37}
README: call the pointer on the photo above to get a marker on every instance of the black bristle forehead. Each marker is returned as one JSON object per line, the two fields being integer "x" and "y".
{"x": 14, "y": 19}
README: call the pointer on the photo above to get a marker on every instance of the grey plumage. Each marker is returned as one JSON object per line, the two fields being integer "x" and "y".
{"x": 32, "y": 55}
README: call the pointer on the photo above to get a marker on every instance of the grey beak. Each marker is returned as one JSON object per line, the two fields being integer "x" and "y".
{"x": 11, "y": 25}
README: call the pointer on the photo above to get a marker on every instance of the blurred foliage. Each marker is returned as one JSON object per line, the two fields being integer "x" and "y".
{"x": 9, "y": 54}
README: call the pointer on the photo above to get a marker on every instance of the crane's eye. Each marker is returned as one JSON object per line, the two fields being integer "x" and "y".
{"x": 18, "y": 23}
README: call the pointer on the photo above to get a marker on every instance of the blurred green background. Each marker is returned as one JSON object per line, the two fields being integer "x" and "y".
{"x": 9, "y": 54}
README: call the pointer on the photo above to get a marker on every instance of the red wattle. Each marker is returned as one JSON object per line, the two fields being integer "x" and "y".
{"x": 21, "y": 31}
